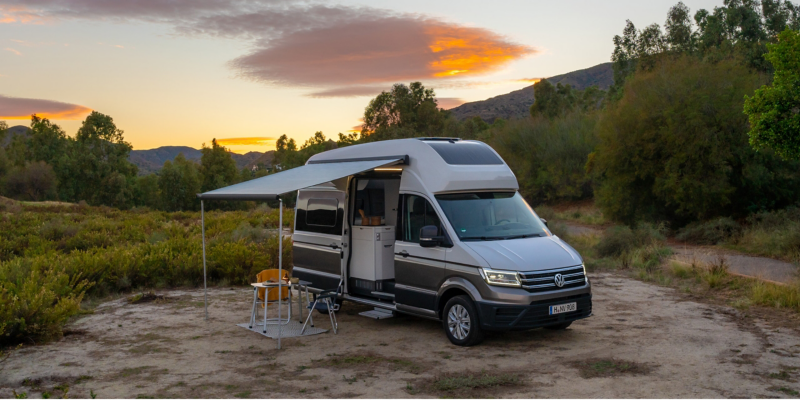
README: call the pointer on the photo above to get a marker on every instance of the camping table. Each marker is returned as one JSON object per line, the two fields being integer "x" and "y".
{"x": 300, "y": 286}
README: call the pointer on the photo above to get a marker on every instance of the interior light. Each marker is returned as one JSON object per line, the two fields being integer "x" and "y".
{"x": 388, "y": 169}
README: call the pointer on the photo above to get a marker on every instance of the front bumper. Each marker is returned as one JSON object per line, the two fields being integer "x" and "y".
{"x": 506, "y": 317}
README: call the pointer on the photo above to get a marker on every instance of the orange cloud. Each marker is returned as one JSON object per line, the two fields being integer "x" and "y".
{"x": 354, "y": 57}
{"x": 15, "y": 51}
{"x": 464, "y": 51}
{"x": 19, "y": 14}
{"x": 21, "y": 108}
{"x": 529, "y": 80}
{"x": 247, "y": 141}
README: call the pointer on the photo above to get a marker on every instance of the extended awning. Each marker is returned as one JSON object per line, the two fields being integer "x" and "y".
{"x": 272, "y": 186}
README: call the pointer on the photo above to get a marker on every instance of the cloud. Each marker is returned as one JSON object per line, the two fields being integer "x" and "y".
{"x": 13, "y": 51}
{"x": 383, "y": 50}
{"x": 20, "y": 108}
{"x": 528, "y": 80}
{"x": 340, "y": 51}
{"x": 447, "y": 103}
{"x": 247, "y": 141}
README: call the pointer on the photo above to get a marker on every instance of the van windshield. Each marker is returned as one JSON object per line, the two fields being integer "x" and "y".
{"x": 491, "y": 216}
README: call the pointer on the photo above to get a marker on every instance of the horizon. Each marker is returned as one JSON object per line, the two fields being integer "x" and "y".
{"x": 248, "y": 72}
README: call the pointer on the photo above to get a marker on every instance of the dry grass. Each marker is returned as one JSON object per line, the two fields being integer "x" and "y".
{"x": 605, "y": 367}
{"x": 466, "y": 384}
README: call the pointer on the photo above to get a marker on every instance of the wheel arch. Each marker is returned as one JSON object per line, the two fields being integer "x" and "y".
{"x": 453, "y": 287}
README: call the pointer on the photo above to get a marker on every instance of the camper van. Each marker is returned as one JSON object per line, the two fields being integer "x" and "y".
{"x": 438, "y": 231}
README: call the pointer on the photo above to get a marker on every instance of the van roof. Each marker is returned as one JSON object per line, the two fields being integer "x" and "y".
{"x": 436, "y": 164}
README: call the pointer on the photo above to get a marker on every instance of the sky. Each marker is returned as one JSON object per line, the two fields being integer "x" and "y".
{"x": 181, "y": 72}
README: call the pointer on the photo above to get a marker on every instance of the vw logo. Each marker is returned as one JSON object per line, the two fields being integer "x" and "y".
{"x": 559, "y": 279}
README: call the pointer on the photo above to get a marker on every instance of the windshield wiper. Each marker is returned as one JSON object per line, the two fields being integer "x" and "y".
{"x": 524, "y": 236}
{"x": 483, "y": 238}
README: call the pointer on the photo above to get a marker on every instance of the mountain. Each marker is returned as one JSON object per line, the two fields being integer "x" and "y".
{"x": 13, "y": 132}
{"x": 516, "y": 104}
{"x": 150, "y": 161}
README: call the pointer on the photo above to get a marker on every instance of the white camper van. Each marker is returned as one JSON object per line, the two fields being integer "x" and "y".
{"x": 433, "y": 227}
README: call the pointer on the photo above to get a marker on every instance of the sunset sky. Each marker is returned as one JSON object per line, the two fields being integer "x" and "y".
{"x": 180, "y": 72}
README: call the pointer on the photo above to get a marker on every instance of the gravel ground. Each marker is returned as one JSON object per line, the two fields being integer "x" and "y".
{"x": 642, "y": 341}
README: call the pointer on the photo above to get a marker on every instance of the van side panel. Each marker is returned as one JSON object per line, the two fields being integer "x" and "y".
{"x": 317, "y": 240}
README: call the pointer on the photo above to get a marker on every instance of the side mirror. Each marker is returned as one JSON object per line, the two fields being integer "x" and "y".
{"x": 545, "y": 222}
{"x": 429, "y": 236}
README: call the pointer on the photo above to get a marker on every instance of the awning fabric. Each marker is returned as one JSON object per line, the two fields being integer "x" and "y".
{"x": 271, "y": 186}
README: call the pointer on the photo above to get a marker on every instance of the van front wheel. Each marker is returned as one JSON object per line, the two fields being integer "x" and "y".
{"x": 460, "y": 322}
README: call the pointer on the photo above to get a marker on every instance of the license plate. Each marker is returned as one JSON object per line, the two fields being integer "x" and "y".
{"x": 562, "y": 308}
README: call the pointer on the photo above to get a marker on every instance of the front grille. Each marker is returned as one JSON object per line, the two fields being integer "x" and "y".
{"x": 544, "y": 281}
{"x": 538, "y": 313}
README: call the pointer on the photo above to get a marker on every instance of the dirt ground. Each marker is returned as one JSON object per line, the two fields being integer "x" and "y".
{"x": 643, "y": 341}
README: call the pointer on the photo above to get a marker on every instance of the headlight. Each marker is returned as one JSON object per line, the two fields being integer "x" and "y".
{"x": 500, "y": 278}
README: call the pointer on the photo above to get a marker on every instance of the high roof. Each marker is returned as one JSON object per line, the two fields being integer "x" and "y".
{"x": 436, "y": 164}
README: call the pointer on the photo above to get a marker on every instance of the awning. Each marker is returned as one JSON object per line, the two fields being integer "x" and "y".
{"x": 271, "y": 186}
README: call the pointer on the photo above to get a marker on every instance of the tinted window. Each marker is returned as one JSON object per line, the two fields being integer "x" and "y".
{"x": 491, "y": 216}
{"x": 417, "y": 212}
{"x": 466, "y": 153}
{"x": 322, "y": 212}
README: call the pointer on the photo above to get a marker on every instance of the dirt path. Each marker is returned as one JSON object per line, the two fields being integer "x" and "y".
{"x": 738, "y": 263}
{"x": 643, "y": 341}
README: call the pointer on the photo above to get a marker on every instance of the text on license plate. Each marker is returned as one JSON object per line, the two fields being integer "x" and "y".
{"x": 562, "y": 308}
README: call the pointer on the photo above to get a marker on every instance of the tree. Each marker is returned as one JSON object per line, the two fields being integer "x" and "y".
{"x": 101, "y": 172}
{"x": 774, "y": 110}
{"x": 552, "y": 102}
{"x": 217, "y": 167}
{"x": 674, "y": 147}
{"x": 35, "y": 181}
{"x": 179, "y": 183}
{"x": 679, "y": 28}
{"x": 413, "y": 109}
{"x": 147, "y": 192}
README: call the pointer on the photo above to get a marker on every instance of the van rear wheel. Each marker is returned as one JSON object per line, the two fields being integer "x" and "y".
{"x": 460, "y": 322}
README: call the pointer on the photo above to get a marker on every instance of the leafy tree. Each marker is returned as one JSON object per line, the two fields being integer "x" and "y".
{"x": 554, "y": 101}
{"x": 678, "y": 29}
{"x": 147, "y": 192}
{"x": 217, "y": 167}
{"x": 774, "y": 110}
{"x": 35, "y": 181}
{"x": 411, "y": 108}
{"x": 286, "y": 156}
{"x": 101, "y": 172}
{"x": 675, "y": 147}
{"x": 179, "y": 183}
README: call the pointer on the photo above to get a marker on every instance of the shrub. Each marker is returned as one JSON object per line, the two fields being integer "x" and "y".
{"x": 36, "y": 181}
{"x": 675, "y": 148}
{"x": 710, "y": 232}
{"x": 549, "y": 156}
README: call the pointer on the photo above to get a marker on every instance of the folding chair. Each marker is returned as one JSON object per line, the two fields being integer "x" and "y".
{"x": 325, "y": 301}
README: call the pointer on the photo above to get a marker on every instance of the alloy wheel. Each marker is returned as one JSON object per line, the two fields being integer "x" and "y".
{"x": 458, "y": 322}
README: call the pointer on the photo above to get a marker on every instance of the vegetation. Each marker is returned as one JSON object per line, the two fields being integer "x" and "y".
{"x": 774, "y": 110}
{"x": 52, "y": 256}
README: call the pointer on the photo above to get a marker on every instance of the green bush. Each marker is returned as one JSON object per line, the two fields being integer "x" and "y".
{"x": 549, "y": 156}
{"x": 620, "y": 240}
{"x": 675, "y": 148}
{"x": 710, "y": 232}
{"x": 51, "y": 256}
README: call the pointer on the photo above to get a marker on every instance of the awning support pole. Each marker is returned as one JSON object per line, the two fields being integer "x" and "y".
{"x": 203, "y": 229}
{"x": 280, "y": 267}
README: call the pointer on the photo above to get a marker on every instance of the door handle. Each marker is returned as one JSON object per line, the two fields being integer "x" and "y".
{"x": 334, "y": 246}
{"x": 403, "y": 253}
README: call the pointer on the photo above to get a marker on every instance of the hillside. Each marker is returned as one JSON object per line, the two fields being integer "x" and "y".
{"x": 150, "y": 161}
{"x": 516, "y": 104}
{"x": 12, "y": 132}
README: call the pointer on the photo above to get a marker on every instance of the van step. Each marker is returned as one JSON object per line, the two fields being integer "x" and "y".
{"x": 377, "y": 313}
{"x": 383, "y": 295}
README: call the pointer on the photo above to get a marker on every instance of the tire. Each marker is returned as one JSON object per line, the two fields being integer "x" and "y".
{"x": 559, "y": 327}
{"x": 462, "y": 309}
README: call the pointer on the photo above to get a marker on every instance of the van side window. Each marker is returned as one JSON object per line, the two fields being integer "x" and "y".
{"x": 322, "y": 212}
{"x": 319, "y": 213}
{"x": 417, "y": 212}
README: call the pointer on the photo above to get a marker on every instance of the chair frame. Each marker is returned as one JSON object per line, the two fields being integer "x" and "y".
{"x": 266, "y": 303}
{"x": 326, "y": 298}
